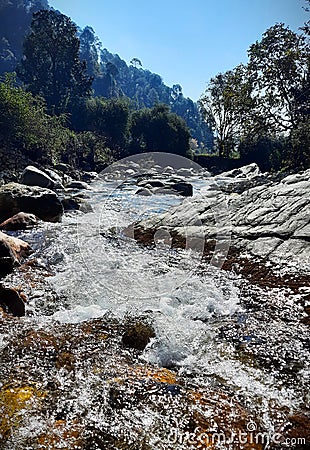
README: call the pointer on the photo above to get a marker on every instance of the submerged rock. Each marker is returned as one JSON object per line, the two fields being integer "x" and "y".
{"x": 16, "y": 400}
{"x": 76, "y": 204}
{"x": 44, "y": 203}
{"x": 107, "y": 398}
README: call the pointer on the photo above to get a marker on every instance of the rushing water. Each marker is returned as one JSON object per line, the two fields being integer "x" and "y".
{"x": 97, "y": 270}
{"x": 197, "y": 311}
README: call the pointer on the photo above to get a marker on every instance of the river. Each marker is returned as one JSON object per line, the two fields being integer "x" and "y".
{"x": 203, "y": 318}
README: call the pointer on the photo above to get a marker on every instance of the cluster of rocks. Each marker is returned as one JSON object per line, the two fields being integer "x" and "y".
{"x": 40, "y": 195}
{"x": 151, "y": 178}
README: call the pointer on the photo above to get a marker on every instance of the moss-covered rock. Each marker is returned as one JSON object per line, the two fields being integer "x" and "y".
{"x": 15, "y": 402}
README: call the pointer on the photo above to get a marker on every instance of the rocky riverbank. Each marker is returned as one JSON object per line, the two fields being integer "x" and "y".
{"x": 88, "y": 384}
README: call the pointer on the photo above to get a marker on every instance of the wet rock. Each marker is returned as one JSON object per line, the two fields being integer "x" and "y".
{"x": 62, "y": 431}
{"x": 12, "y": 301}
{"x": 15, "y": 402}
{"x": 172, "y": 186}
{"x": 137, "y": 335}
{"x": 44, "y": 203}
{"x": 7, "y": 258}
{"x": 103, "y": 395}
{"x": 32, "y": 176}
{"x": 152, "y": 183}
{"x": 20, "y": 221}
{"x": 182, "y": 188}
{"x": 295, "y": 435}
{"x": 12, "y": 251}
{"x": 89, "y": 176}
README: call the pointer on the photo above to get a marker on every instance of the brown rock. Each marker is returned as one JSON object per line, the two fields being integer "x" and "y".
{"x": 12, "y": 250}
{"x": 138, "y": 335}
{"x": 19, "y": 222}
{"x": 12, "y": 301}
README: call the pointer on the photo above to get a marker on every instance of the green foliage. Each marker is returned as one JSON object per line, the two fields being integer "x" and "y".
{"x": 50, "y": 66}
{"x": 298, "y": 150}
{"x": 146, "y": 89}
{"x": 262, "y": 109}
{"x": 157, "y": 129}
{"x": 110, "y": 118}
{"x": 265, "y": 151}
{"x": 25, "y": 125}
{"x": 279, "y": 68}
{"x": 226, "y": 105}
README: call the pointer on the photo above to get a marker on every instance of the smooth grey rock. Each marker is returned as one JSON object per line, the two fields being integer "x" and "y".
{"x": 32, "y": 176}
{"x": 269, "y": 221}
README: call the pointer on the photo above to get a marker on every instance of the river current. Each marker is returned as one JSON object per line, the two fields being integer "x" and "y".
{"x": 195, "y": 308}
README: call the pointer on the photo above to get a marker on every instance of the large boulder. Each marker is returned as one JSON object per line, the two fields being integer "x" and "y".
{"x": 44, "y": 203}
{"x": 270, "y": 221}
{"x": 57, "y": 179}
{"x": 241, "y": 179}
{"x": 32, "y": 176}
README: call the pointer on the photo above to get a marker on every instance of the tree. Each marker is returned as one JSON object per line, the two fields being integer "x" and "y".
{"x": 50, "y": 66}
{"x": 279, "y": 67}
{"x": 107, "y": 118}
{"x": 90, "y": 47}
{"x": 226, "y": 105}
{"x": 157, "y": 129}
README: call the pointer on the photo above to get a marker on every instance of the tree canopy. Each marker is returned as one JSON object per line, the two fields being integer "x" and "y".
{"x": 50, "y": 66}
{"x": 261, "y": 110}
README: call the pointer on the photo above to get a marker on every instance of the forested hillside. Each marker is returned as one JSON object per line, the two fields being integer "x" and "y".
{"x": 15, "y": 20}
{"x": 112, "y": 76}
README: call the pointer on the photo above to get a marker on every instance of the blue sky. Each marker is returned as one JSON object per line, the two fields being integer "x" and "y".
{"x": 186, "y": 42}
